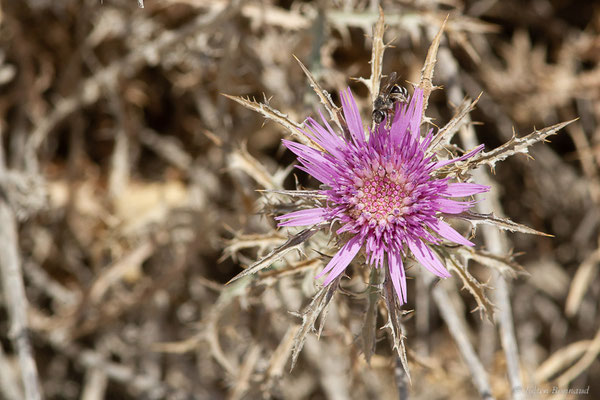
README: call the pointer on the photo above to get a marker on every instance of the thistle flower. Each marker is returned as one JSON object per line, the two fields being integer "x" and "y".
{"x": 382, "y": 191}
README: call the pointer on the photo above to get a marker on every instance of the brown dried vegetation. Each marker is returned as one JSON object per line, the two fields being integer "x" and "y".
{"x": 132, "y": 191}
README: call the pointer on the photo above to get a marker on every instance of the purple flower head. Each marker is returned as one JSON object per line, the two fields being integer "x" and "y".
{"x": 381, "y": 191}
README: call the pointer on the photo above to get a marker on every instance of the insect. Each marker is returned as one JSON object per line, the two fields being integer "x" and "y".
{"x": 389, "y": 95}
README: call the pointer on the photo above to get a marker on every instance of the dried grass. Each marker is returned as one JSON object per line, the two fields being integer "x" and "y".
{"x": 132, "y": 191}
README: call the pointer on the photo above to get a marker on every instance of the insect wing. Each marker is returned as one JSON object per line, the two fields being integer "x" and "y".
{"x": 388, "y": 84}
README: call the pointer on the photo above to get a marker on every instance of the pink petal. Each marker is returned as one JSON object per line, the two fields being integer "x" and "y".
{"x": 340, "y": 261}
{"x": 406, "y": 121}
{"x": 446, "y": 231}
{"x": 313, "y": 161}
{"x": 398, "y": 276}
{"x": 352, "y": 116}
{"x": 400, "y": 123}
{"x": 303, "y": 217}
{"x": 417, "y": 110}
{"x": 452, "y": 206}
{"x": 440, "y": 164}
{"x": 461, "y": 189}
{"x": 427, "y": 258}
{"x": 427, "y": 140}
{"x": 326, "y": 138}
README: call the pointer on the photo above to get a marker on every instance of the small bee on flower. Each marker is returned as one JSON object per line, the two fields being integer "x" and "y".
{"x": 385, "y": 103}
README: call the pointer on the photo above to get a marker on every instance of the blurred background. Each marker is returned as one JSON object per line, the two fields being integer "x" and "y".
{"x": 131, "y": 184}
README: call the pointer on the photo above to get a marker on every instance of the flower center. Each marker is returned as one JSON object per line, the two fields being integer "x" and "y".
{"x": 382, "y": 198}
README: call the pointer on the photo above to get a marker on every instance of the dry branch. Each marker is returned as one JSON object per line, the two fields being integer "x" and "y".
{"x": 317, "y": 307}
{"x": 377, "y": 50}
{"x": 272, "y": 114}
{"x": 426, "y": 81}
{"x": 16, "y": 301}
{"x": 590, "y": 355}
{"x": 516, "y": 146}
{"x": 500, "y": 223}
{"x": 456, "y": 326}
{"x": 90, "y": 90}
{"x": 395, "y": 327}
{"x": 277, "y": 253}
{"x": 582, "y": 280}
{"x": 444, "y": 135}
{"x": 325, "y": 98}
{"x": 125, "y": 294}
